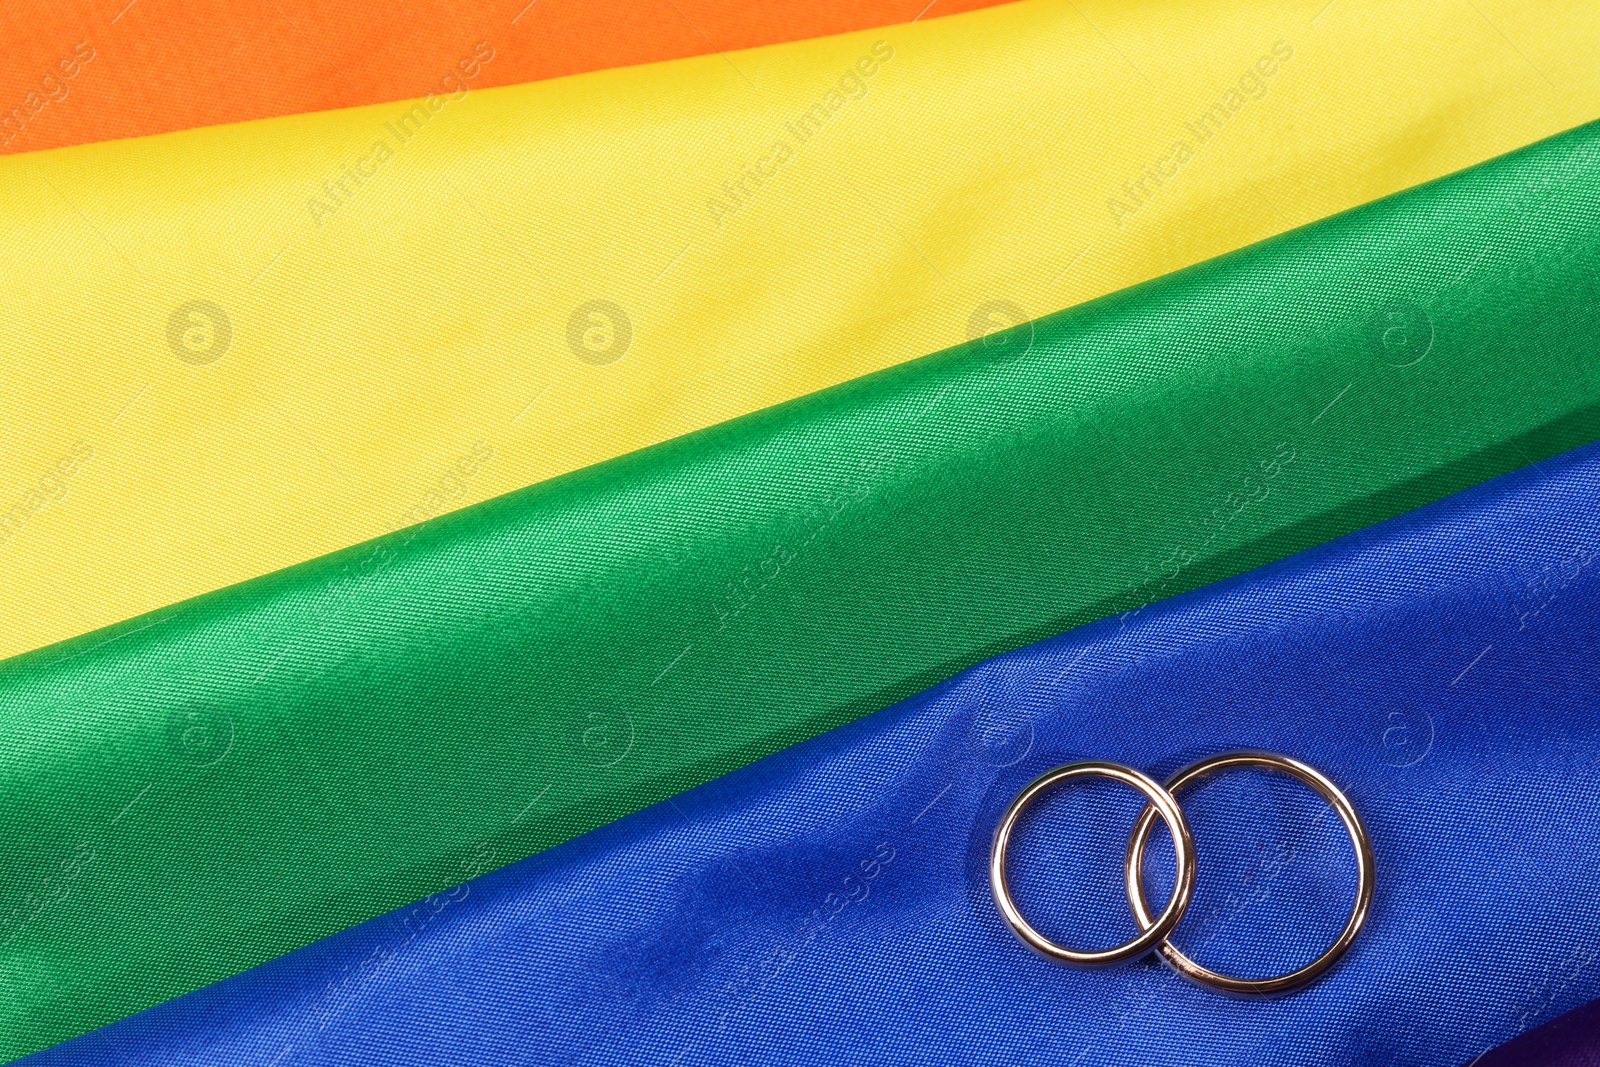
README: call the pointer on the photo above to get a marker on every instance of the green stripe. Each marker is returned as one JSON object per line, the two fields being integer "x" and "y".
{"x": 223, "y": 781}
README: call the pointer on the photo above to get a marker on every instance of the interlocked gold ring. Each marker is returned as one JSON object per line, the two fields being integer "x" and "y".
{"x": 1358, "y": 840}
{"x": 1154, "y": 931}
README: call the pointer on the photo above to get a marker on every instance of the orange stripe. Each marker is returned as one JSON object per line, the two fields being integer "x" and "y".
{"x": 97, "y": 70}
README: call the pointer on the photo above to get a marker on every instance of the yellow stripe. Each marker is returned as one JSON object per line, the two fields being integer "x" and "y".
{"x": 397, "y": 319}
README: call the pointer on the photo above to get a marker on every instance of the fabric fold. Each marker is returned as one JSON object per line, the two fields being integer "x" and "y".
{"x": 74, "y": 75}
{"x": 1569, "y": 1040}
{"x": 234, "y": 349}
{"x": 204, "y": 788}
{"x": 830, "y": 904}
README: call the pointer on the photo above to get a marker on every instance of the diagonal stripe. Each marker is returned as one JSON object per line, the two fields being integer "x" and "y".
{"x": 863, "y": 931}
{"x": 83, "y": 71}
{"x": 334, "y": 325}
{"x": 819, "y": 559}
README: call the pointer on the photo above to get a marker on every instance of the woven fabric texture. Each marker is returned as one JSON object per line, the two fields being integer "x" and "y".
{"x": 830, "y": 904}
{"x": 77, "y": 71}
{"x": 230, "y": 350}
{"x": 267, "y": 764}
{"x": 1570, "y": 1040}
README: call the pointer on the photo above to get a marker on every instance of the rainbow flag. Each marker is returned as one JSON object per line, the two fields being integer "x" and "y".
{"x": 550, "y": 533}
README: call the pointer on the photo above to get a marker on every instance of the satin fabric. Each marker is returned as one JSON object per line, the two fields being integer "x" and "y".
{"x": 830, "y": 904}
{"x": 268, "y": 764}
{"x": 77, "y": 72}
{"x": 235, "y": 349}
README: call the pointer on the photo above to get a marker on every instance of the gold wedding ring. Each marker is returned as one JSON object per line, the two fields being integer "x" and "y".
{"x": 1161, "y": 801}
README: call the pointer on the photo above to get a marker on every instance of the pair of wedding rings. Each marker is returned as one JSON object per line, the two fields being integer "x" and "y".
{"x": 1154, "y": 931}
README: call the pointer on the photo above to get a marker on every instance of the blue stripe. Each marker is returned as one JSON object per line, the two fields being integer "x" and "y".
{"x": 829, "y": 904}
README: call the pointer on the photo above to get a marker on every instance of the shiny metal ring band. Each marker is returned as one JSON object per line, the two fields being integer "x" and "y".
{"x": 1154, "y": 931}
{"x": 1358, "y": 840}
